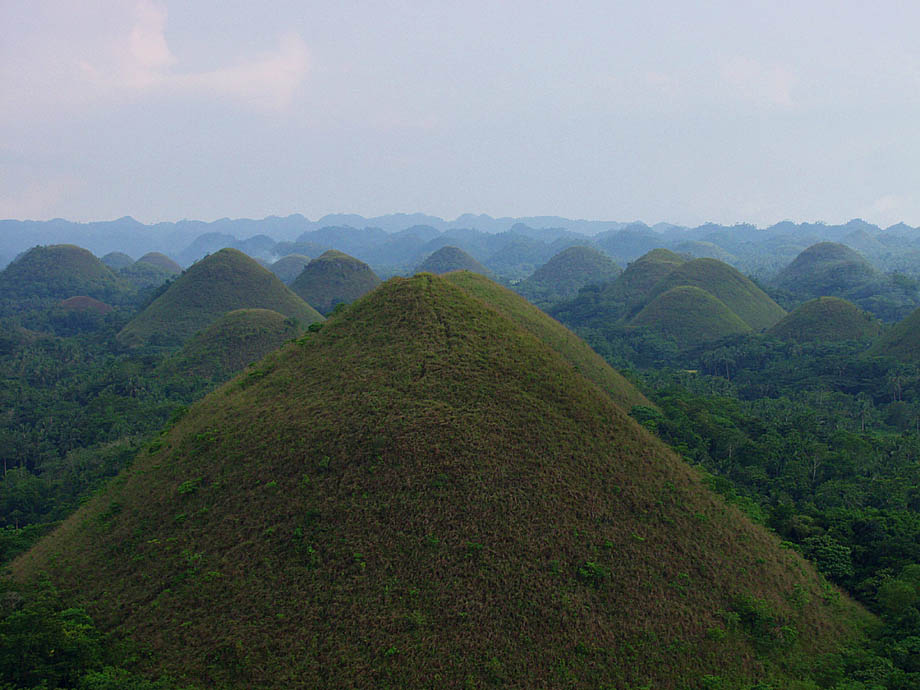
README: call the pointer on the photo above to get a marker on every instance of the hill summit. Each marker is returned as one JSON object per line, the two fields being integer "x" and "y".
{"x": 424, "y": 494}
{"x": 448, "y": 259}
{"x": 221, "y": 282}
{"x": 334, "y": 278}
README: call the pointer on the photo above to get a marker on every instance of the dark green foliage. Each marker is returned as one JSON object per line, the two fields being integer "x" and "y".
{"x": 60, "y": 271}
{"x": 334, "y": 278}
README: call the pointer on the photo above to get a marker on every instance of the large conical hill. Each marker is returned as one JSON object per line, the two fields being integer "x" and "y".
{"x": 448, "y": 259}
{"x": 235, "y": 340}
{"x": 575, "y": 350}
{"x": 751, "y": 304}
{"x": 162, "y": 262}
{"x": 690, "y": 316}
{"x": 334, "y": 278}
{"x": 566, "y": 272}
{"x": 826, "y": 319}
{"x": 59, "y": 271}
{"x": 221, "y": 282}
{"x": 423, "y": 494}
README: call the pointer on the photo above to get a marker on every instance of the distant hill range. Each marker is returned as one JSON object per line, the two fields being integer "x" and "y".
{"x": 512, "y": 248}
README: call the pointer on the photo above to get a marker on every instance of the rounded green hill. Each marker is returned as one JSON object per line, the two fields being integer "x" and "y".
{"x": 59, "y": 271}
{"x": 826, "y": 319}
{"x": 334, "y": 278}
{"x": 448, "y": 259}
{"x": 117, "y": 260}
{"x": 287, "y": 268}
{"x": 424, "y": 494}
{"x": 84, "y": 303}
{"x": 736, "y": 291}
{"x": 690, "y": 316}
{"x": 162, "y": 262}
{"x": 221, "y": 282}
{"x": 571, "y": 269}
{"x": 235, "y": 340}
{"x": 901, "y": 341}
{"x": 826, "y": 269}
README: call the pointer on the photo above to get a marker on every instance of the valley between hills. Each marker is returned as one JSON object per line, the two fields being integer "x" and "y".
{"x": 522, "y": 453}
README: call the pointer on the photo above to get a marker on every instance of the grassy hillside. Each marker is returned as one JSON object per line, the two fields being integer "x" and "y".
{"x": 423, "y": 494}
{"x": 219, "y": 283}
{"x": 902, "y": 341}
{"x": 334, "y": 278}
{"x": 826, "y": 319}
{"x": 287, "y": 268}
{"x": 563, "y": 275}
{"x": 575, "y": 350}
{"x": 233, "y": 341}
{"x": 448, "y": 259}
{"x": 59, "y": 271}
{"x": 751, "y": 304}
{"x": 162, "y": 262}
{"x": 84, "y": 303}
{"x": 690, "y": 316}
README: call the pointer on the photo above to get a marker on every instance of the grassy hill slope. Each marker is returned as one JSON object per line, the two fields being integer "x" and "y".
{"x": 221, "y": 282}
{"x": 751, "y": 304}
{"x": 902, "y": 341}
{"x": 826, "y": 319}
{"x": 423, "y": 494}
{"x": 287, "y": 268}
{"x": 334, "y": 278}
{"x": 162, "y": 262}
{"x": 235, "y": 340}
{"x": 690, "y": 316}
{"x": 826, "y": 268}
{"x": 563, "y": 275}
{"x": 575, "y": 350}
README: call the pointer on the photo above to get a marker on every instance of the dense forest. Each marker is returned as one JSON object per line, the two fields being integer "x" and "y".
{"x": 816, "y": 438}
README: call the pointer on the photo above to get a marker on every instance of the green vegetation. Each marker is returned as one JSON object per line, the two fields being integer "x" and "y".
{"x": 117, "y": 260}
{"x": 423, "y": 493}
{"x": 84, "y": 303}
{"x": 237, "y": 339}
{"x": 219, "y": 283}
{"x": 448, "y": 259}
{"x": 827, "y": 319}
{"x": 334, "y": 278}
{"x": 690, "y": 316}
{"x": 563, "y": 275}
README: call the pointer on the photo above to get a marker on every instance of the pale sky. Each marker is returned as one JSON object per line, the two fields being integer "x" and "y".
{"x": 667, "y": 111}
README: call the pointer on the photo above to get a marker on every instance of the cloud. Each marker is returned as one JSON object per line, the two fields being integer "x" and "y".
{"x": 131, "y": 59}
{"x": 759, "y": 83}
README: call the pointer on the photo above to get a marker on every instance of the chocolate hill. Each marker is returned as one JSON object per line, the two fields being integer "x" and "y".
{"x": 424, "y": 494}
{"x": 334, "y": 278}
